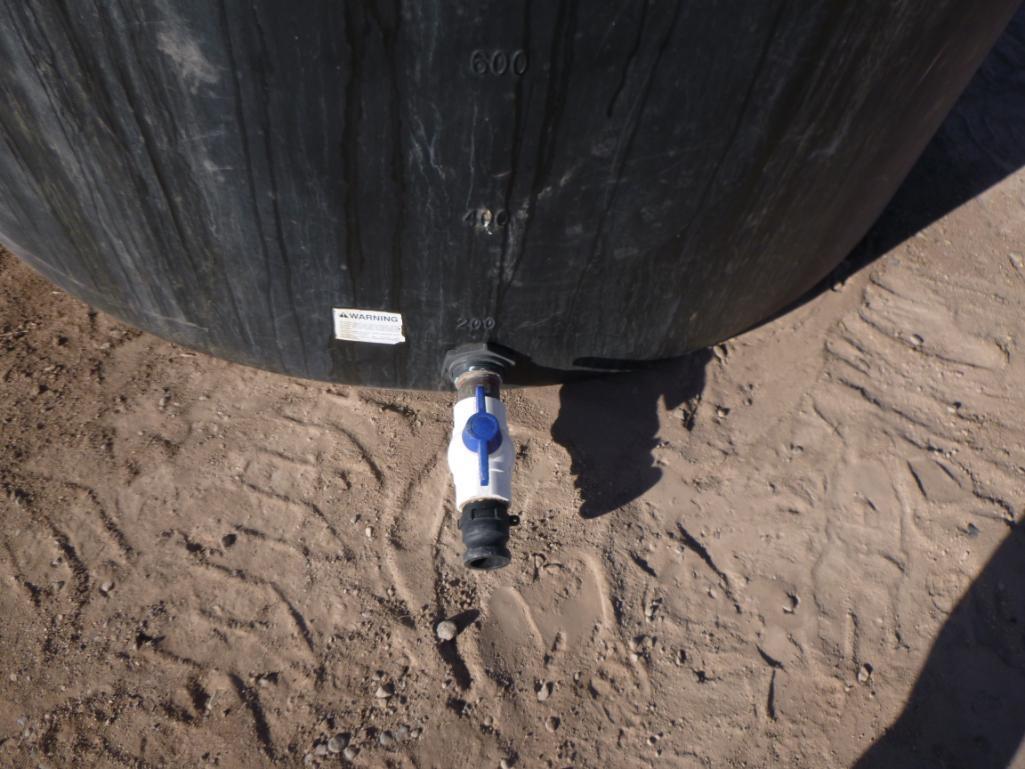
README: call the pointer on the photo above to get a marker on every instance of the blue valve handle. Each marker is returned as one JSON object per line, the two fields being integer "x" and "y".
{"x": 482, "y": 434}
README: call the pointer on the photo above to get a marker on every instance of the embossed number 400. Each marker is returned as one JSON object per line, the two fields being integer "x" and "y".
{"x": 498, "y": 62}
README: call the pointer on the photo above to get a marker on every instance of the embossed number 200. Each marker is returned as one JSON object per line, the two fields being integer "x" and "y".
{"x": 498, "y": 62}
{"x": 475, "y": 324}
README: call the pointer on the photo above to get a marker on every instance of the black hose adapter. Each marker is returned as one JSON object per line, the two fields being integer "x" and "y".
{"x": 485, "y": 526}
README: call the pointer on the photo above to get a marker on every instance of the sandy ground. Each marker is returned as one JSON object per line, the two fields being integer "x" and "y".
{"x": 799, "y": 549}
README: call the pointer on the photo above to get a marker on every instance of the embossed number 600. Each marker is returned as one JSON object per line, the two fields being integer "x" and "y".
{"x": 498, "y": 62}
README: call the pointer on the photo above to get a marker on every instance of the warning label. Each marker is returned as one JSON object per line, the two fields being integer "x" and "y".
{"x": 372, "y": 326}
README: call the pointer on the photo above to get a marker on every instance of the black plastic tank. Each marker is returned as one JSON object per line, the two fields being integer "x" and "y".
{"x": 347, "y": 190}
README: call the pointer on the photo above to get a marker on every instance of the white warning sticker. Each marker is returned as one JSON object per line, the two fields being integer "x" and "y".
{"x": 372, "y": 326}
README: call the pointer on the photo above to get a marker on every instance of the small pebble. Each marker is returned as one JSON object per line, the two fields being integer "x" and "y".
{"x": 106, "y": 587}
{"x": 386, "y": 740}
{"x": 369, "y": 531}
{"x": 446, "y": 630}
{"x": 415, "y": 734}
{"x": 402, "y": 733}
{"x": 865, "y": 673}
{"x": 795, "y": 601}
{"x": 552, "y": 723}
{"x": 384, "y": 692}
{"x": 545, "y": 691}
{"x": 504, "y": 764}
{"x": 350, "y": 753}
{"x": 320, "y": 750}
{"x": 337, "y": 743}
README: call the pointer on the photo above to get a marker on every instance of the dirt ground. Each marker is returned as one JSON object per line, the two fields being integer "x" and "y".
{"x": 802, "y": 548}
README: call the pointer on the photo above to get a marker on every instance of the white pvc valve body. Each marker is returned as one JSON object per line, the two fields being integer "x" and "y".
{"x": 465, "y": 463}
